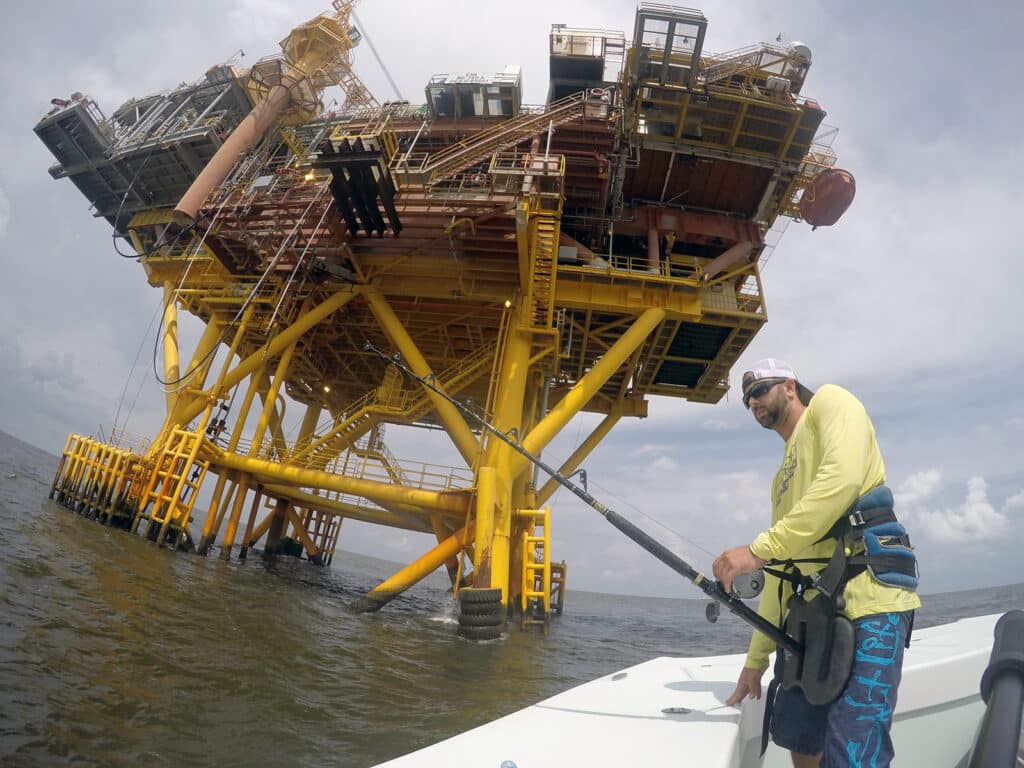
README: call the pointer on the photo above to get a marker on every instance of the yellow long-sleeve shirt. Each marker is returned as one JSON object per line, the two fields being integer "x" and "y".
{"x": 830, "y": 460}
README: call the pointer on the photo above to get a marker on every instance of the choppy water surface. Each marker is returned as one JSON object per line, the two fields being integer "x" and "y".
{"x": 113, "y": 652}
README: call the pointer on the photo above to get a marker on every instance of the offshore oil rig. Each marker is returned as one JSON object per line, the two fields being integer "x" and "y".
{"x": 529, "y": 262}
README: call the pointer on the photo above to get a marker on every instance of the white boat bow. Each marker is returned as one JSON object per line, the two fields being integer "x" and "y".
{"x": 671, "y": 712}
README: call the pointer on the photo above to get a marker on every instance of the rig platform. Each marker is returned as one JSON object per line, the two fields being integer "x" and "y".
{"x": 535, "y": 261}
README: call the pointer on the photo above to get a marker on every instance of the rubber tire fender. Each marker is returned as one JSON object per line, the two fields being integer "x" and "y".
{"x": 479, "y": 609}
{"x": 480, "y": 633}
{"x": 471, "y": 595}
{"x": 481, "y": 620}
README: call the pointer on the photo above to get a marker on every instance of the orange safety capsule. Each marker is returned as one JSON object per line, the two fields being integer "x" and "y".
{"x": 828, "y": 197}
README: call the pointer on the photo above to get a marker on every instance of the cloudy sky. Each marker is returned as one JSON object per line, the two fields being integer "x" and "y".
{"x": 911, "y": 301}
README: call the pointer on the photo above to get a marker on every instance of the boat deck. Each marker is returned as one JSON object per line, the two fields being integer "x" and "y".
{"x": 671, "y": 712}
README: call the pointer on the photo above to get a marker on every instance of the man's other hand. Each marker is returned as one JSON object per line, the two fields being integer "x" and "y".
{"x": 748, "y": 686}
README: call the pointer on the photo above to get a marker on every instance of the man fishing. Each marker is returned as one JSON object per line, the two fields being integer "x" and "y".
{"x": 834, "y": 554}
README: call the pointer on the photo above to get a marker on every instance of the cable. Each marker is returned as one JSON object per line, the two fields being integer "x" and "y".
{"x": 245, "y": 304}
{"x": 373, "y": 50}
{"x": 181, "y": 282}
{"x": 298, "y": 261}
{"x": 131, "y": 371}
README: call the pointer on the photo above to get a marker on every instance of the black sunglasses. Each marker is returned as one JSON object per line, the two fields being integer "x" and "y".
{"x": 759, "y": 391}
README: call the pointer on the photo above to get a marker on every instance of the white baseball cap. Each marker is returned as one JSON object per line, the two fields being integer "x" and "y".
{"x": 771, "y": 369}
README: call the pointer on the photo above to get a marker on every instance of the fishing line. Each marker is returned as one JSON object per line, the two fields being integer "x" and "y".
{"x": 576, "y": 444}
{"x": 652, "y": 518}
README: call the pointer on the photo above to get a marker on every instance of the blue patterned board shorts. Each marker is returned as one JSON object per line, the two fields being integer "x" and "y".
{"x": 854, "y": 729}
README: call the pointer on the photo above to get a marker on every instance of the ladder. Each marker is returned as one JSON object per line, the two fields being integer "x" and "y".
{"x": 177, "y": 474}
{"x": 535, "y": 600}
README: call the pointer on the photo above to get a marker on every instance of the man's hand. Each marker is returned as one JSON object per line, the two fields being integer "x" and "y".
{"x": 749, "y": 686}
{"x": 733, "y": 562}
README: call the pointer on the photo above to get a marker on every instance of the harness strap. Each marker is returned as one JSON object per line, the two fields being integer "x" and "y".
{"x": 857, "y": 520}
{"x": 769, "y": 708}
{"x": 903, "y": 564}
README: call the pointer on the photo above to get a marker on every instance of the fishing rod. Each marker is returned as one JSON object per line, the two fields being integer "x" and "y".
{"x": 710, "y": 587}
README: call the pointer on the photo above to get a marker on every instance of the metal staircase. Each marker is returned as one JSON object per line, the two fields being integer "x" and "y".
{"x": 718, "y": 369}
{"x": 389, "y": 400}
{"x": 542, "y": 268}
{"x": 737, "y": 61}
{"x": 502, "y": 136}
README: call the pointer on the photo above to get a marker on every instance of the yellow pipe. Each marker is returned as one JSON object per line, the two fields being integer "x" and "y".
{"x": 277, "y": 344}
{"x": 573, "y": 462}
{"x": 588, "y": 386}
{"x": 460, "y": 433}
{"x": 259, "y": 530}
{"x": 384, "y": 592}
{"x": 270, "y": 398}
{"x": 257, "y": 383}
{"x": 303, "y": 536}
{"x": 441, "y": 532}
{"x": 219, "y": 390}
{"x": 302, "y": 518}
{"x": 407, "y": 522}
{"x": 236, "y": 515}
{"x": 201, "y": 361}
{"x": 309, "y": 422}
{"x": 74, "y": 446}
{"x": 75, "y": 461}
{"x": 451, "y": 502}
{"x": 171, "y": 370}
{"x": 276, "y": 427}
{"x": 121, "y": 481}
{"x": 247, "y": 536}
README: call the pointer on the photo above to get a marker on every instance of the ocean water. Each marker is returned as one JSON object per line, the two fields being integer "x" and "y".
{"x": 116, "y": 653}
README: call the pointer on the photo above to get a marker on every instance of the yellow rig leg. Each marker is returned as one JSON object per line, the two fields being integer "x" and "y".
{"x": 486, "y": 503}
{"x": 380, "y": 595}
{"x": 508, "y": 415}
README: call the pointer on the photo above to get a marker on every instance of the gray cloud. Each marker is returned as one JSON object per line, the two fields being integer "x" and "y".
{"x": 5, "y": 213}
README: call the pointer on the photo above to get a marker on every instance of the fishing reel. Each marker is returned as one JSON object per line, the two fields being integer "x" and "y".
{"x": 745, "y": 586}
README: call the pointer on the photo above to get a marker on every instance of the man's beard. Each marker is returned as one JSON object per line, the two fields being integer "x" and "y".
{"x": 772, "y": 415}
